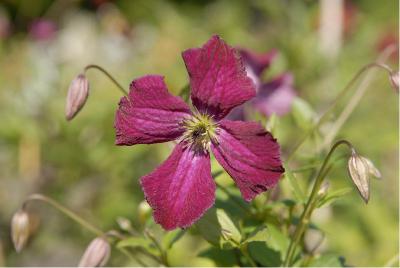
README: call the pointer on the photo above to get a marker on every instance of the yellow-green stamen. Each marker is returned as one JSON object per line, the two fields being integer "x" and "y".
{"x": 201, "y": 130}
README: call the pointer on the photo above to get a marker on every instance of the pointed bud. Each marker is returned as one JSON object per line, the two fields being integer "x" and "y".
{"x": 359, "y": 171}
{"x": 144, "y": 211}
{"x": 96, "y": 254}
{"x": 78, "y": 93}
{"x": 371, "y": 168}
{"x": 20, "y": 229}
{"x": 394, "y": 80}
{"x": 124, "y": 224}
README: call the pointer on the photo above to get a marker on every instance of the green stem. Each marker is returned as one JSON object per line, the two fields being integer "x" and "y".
{"x": 245, "y": 252}
{"x": 163, "y": 254}
{"x": 72, "y": 215}
{"x": 305, "y": 216}
{"x": 351, "y": 105}
{"x": 339, "y": 97}
{"x": 93, "y": 66}
{"x": 65, "y": 211}
{"x": 129, "y": 255}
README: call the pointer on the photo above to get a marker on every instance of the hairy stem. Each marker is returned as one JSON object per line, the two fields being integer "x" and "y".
{"x": 364, "y": 83}
{"x": 119, "y": 86}
{"x": 65, "y": 211}
{"x": 72, "y": 215}
{"x": 353, "y": 102}
{"x": 310, "y": 205}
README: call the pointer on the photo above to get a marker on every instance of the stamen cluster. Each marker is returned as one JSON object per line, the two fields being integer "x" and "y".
{"x": 201, "y": 130}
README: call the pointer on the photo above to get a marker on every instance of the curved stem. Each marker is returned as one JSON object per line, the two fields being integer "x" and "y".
{"x": 65, "y": 211}
{"x": 73, "y": 216}
{"x": 93, "y": 66}
{"x": 351, "y": 105}
{"x": 129, "y": 255}
{"x": 305, "y": 216}
{"x": 340, "y": 96}
{"x": 163, "y": 254}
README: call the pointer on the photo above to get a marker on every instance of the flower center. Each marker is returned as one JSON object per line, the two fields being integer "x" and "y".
{"x": 201, "y": 130}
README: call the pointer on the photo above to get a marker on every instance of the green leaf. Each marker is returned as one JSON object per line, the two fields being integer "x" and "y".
{"x": 272, "y": 250}
{"x": 228, "y": 229}
{"x": 171, "y": 237}
{"x": 138, "y": 242}
{"x": 209, "y": 227}
{"x": 259, "y": 234}
{"x": 333, "y": 196}
{"x": 218, "y": 229}
{"x": 303, "y": 113}
{"x": 277, "y": 240}
{"x": 221, "y": 258}
{"x": 328, "y": 260}
{"x": 133, "y": 242}
{"x": 297, "y": 191}
{"x": 264, "y": 255}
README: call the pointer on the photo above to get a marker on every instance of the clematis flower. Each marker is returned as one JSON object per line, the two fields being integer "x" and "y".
{"x": 273, "y": 97}
{"x": 181, "y": 189}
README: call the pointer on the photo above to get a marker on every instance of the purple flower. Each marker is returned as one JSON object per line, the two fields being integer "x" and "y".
{"x": 42, "y": 29}
{"x": 181, "y": 189}
{"x": 275, "y": 96}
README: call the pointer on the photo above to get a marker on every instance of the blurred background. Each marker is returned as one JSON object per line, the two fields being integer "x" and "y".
{"x": 44, "y": 44}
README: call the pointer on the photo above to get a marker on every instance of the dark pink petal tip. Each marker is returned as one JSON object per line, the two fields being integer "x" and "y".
{"x": 181, "y": 189}
{"x": 258, "y": 62}
{"x": 218, "y": 78}
{"x": 150, "y": 114}
{"x": 250, "y": 155}
{"x": 276, "y": 96}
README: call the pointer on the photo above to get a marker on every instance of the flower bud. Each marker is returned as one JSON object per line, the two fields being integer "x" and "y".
{"x": 78, "y": 93}
{"x": 20, "y": 229}
{"x": 124, "y": 224}
{"x": 324, "y": 189}
{"x": 371, "y": 168}
{"x": 144, "y": 211}
{"x": 360, "y": 169}
{"x": 394, "y": 80}
{"x": 96, "y": 254}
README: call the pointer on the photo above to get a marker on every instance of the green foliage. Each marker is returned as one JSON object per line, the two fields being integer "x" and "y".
{"x": 303, "y": 114}
{"x": 138, "y": 242}
{"x": 328, "y": 260}
{"x": 333, "y": 196}
{"x": 218, "y": 229}
{"x": 295, "y": 187}
{"x": 77, "y": 163}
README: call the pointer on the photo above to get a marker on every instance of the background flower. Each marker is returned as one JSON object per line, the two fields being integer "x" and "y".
{"x": 274, "y": 96}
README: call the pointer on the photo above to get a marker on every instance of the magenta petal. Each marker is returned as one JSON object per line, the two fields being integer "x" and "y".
{"x": 151, "y": 114}
{"x": 181, "y": 189}
{"x": 276, "y": 96}
{"x": 257, "y": 63}
{"x": 250, "y": 155}
{"x": 218, "y": 79}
